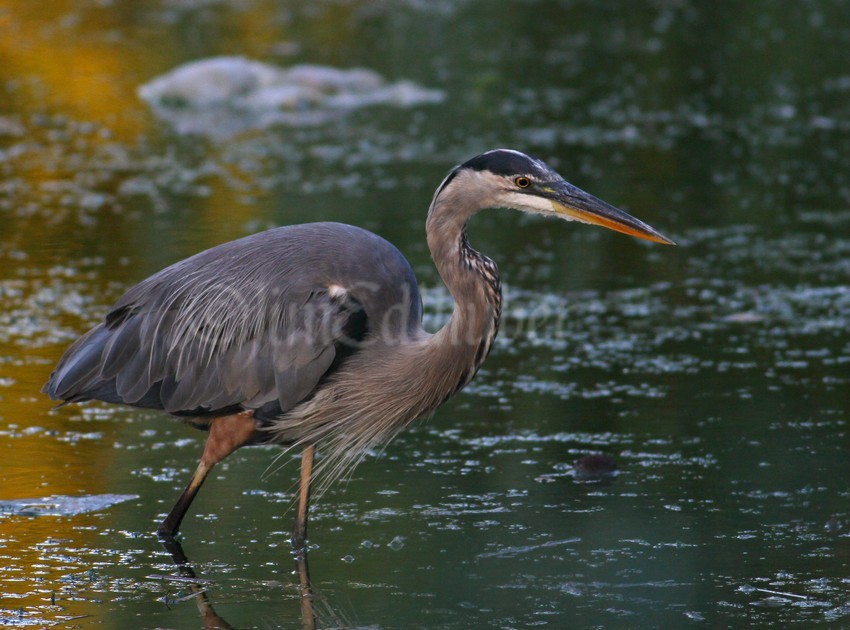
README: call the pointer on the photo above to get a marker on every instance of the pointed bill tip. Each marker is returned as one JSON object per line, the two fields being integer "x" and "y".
{"x": 576, "y": 204}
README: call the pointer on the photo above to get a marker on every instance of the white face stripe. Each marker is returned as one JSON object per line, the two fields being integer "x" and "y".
{"x": 537, "y": 205}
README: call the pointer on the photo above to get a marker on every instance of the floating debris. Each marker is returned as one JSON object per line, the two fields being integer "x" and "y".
{"x": 595, "y": 466}
{"x": 745, "y": 317}
{"x": 224, "y": 96}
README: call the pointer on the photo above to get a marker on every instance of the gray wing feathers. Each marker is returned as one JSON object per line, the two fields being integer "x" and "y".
{"x": 81, "y": 363}
{"x": 244, "y": 323}
{"x": 219, "y": 361}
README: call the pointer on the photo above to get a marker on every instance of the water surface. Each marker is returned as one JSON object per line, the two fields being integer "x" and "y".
{"x": 715, "y": 373}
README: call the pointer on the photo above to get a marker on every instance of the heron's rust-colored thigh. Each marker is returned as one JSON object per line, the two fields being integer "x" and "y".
{"x": 227, "y": 434}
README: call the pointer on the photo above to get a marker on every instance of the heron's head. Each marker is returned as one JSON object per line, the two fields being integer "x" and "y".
{"x": 509, "y": 179}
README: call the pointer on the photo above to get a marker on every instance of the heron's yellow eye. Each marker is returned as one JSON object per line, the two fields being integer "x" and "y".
{"x": 522, "y": 182}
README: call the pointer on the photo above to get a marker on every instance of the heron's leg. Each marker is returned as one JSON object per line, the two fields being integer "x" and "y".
{"x": 226, "y": 435}
{"x": 299, "y": 532}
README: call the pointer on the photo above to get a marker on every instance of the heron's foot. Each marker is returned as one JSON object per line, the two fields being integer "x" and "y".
{"x": 173, "y": 546}
{"x": 299, "y": 537}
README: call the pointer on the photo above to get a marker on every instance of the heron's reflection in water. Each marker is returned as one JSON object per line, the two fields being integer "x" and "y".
{"x": 199, "y": 587}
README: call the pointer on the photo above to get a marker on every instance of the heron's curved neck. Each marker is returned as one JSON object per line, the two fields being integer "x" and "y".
{"x": 475, "y": 285}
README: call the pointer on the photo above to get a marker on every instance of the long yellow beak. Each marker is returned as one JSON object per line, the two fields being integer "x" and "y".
{"x": 574, "y": 203}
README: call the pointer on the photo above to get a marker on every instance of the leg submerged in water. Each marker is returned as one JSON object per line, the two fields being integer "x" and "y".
{"x": 299, "y": 540}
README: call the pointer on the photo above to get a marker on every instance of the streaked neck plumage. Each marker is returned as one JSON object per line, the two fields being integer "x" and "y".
{"x": 471, "y": 278}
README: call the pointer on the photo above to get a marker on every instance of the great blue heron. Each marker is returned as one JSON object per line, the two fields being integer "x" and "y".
{"x": 312, "y": 334}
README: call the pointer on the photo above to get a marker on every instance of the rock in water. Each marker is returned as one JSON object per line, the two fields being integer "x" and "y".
{"x": 223, "y": 96}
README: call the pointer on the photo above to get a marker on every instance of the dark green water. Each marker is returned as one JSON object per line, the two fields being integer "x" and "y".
{"x": 716, "y": 373}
